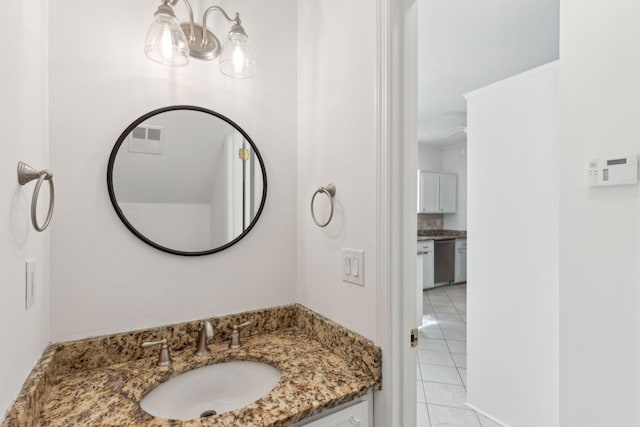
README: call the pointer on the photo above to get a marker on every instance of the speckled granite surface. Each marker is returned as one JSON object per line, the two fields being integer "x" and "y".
{"x": 113, "y": 349}
{"x": 99, "y": 381}
{"x": 441, "y": 234}
{"x": 28, "y": 407}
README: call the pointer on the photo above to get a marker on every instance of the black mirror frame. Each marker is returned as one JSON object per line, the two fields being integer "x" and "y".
{"x": 114, "y": 202}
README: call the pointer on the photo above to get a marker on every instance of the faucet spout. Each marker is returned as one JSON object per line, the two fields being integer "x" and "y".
{"x": 205, "y": 332}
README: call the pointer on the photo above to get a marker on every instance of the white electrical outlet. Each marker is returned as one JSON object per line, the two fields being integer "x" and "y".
{"x": 353, "y": 266}
{"x": 30, "y": 283}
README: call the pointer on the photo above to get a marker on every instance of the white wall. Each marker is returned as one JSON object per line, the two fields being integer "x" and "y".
{"x": 513, "y": 246}
{"x": 600, "y": 227}
{"x": 430, "y": 157}
{"x": 180, "y": 226}
{"x": 337, "y": 144}
{"x": 24, "y": 119}
{"x": 103, "y": 278}
{"x": 454, "y": 160}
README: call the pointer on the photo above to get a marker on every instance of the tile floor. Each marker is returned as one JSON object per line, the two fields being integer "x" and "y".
{"x": 442, "y": 361}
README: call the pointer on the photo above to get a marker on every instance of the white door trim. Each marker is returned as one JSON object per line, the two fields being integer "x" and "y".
{"x": 386, "y": 401}
{"x": 395, "y": 404}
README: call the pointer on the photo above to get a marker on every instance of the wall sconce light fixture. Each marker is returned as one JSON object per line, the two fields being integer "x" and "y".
{"x": 170, "y": 42}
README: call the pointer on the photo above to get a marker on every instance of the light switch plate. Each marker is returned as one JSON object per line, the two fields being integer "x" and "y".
{"x": 353, "y": 266}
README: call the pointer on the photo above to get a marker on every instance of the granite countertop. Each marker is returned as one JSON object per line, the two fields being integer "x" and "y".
{"x": 441, "y": 234}
{"x": 312, "y": 378}
{"x": 322, "y": 365}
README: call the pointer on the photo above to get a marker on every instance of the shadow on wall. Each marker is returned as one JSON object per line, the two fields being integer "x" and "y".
{"x": 20, "y": 217}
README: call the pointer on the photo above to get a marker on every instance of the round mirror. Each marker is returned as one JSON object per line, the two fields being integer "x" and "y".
{"x": 187, "y": 180}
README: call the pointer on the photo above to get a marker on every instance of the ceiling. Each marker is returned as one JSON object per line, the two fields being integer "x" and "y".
{"x": 467, "y": 44}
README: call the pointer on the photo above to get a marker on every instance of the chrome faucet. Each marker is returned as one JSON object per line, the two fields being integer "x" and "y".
{"x": 235, "y": 335}
{"x": 164, "y": 357}
{"x": 204, "y": 333}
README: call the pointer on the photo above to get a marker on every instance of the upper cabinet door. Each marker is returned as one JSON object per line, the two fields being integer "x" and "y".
{"x": 429, "y": 189}
{"x": 448, "y": 193}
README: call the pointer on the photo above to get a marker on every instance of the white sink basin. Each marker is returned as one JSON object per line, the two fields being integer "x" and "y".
{"x": 221, "y": 387}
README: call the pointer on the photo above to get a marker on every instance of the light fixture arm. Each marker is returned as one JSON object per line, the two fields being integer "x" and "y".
{"x": 192, "y": 29}
{"x": 235, "y": 20}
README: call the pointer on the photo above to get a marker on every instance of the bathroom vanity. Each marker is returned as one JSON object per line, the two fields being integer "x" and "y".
{"x": 288, "y": 365}
{"x": 326, "y": 370}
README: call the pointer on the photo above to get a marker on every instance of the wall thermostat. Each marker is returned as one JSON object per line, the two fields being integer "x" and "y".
{"x": 613, "y": 171}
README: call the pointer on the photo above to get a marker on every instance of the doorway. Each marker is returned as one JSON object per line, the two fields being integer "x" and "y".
{"x": 461, "y": 47}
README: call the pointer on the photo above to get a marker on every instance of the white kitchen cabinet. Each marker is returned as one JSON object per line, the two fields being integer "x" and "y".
{"x": 448, "y": 187}
{"x": 428, "y": 192}
{"x": 460, "y": 273}
{"x": 357, "y": 415}
{"x": 424, "y": 274}
{"x": 436, "y": 192}
{"x": 425, "y": 254}
{"x": 419, "y": 295}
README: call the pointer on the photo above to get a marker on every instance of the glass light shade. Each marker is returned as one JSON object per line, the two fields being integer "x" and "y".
{"x": 166, "y": 43}
{"x": 237, "y": 58}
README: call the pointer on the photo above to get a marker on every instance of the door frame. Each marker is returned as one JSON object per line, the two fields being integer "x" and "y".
{"x": 395, "y": 404}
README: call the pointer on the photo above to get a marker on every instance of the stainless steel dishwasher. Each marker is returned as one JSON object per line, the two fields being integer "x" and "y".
{"x": 444, "y": 260}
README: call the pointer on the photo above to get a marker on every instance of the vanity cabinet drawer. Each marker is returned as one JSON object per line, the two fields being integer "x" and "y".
{"x": 353, "y": 416}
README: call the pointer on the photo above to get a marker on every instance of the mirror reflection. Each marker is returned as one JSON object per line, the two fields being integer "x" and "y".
{"x": 187, "y": 180}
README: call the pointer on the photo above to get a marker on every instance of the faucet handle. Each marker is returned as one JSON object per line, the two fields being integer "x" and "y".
{"x": 205, "y": 332}
{"x": 164, "y": 357}
{"x": 235, "y": 335}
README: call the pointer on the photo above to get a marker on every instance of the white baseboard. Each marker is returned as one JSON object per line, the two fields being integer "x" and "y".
{"x": 480, "y": 411}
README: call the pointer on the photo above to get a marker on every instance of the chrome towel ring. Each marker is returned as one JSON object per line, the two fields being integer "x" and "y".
{"x": 330, "y": 192}
{"x": 26, "y": 174}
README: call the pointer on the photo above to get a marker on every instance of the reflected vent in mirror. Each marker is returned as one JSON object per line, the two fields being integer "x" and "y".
{"x": 147, "y": 139}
